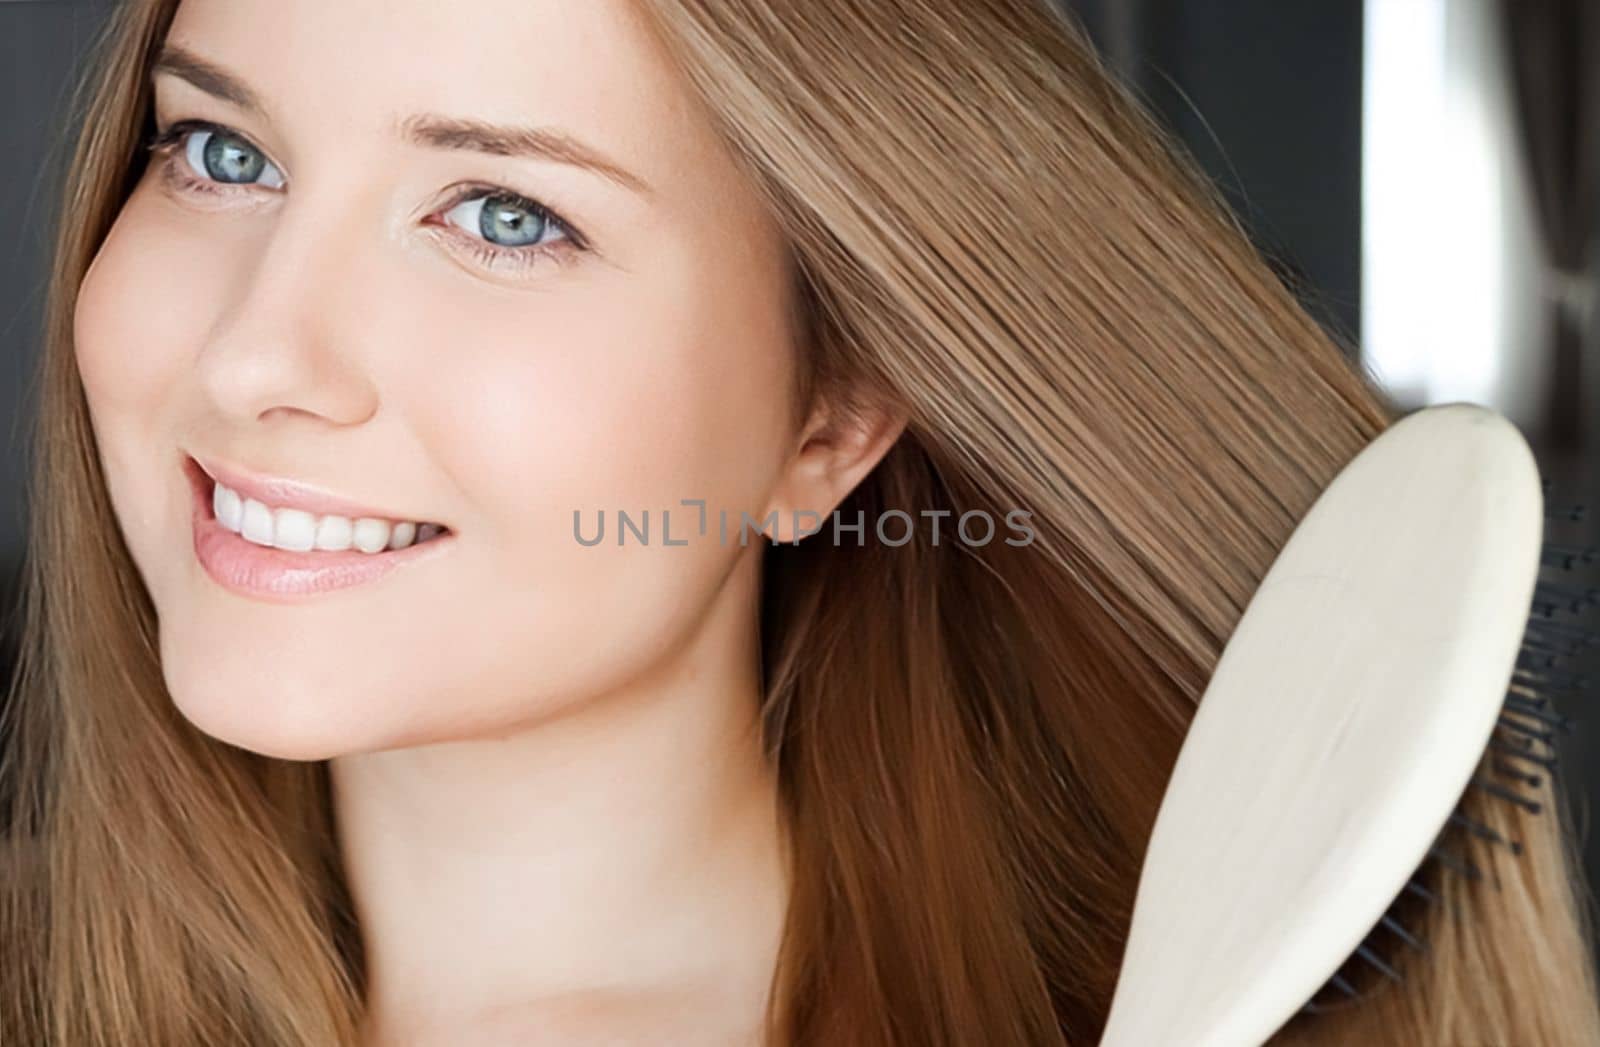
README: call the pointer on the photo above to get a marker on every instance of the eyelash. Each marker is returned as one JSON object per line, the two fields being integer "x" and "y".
{"x": 166, "y": 144}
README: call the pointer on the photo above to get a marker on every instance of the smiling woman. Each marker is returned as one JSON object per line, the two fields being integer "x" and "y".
{"x": 331, "y": 732}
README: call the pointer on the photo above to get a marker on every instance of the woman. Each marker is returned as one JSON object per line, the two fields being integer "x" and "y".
{"x": 343, "y": 717}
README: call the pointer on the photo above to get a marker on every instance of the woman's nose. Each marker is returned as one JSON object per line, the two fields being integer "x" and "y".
{"x": 288, "y": 339}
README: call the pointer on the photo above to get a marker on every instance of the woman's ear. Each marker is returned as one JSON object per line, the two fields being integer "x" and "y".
{"x": 836, "y": 449}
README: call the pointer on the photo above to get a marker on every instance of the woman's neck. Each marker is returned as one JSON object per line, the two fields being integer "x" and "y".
{"x": 605, "y": 870}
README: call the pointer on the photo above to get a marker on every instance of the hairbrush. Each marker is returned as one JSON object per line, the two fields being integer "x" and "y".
{"x": 1401, "y": 633}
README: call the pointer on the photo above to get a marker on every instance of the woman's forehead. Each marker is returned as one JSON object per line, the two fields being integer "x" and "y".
{"x": 592, "y": 70}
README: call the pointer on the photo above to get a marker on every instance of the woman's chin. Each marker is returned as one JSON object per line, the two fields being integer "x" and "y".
{"x": 277, "y": 720}
{"x": 306, "y": 702}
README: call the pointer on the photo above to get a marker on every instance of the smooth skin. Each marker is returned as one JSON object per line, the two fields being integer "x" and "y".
{"x": 558, "y": 824}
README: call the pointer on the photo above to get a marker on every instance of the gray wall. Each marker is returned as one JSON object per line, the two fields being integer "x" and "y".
{"x": 1266, "y": 95}
{"x": 41, "y": 44}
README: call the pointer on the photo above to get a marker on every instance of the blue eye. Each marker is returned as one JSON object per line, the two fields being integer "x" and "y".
{"x": 505, "y": 230}
{"x": 506, "y": 220}
{"x": 229, "y": 160}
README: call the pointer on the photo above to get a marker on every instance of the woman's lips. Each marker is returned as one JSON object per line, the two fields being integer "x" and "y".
{"x": 278, "y": 575}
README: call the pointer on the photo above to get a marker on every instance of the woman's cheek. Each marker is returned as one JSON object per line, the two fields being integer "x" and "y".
{"x": 568, "y": 401}
{"x": 139, "y": 312}
{"x": 132, "y": 331}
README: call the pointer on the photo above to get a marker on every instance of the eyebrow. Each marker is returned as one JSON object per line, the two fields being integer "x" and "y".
{"x": 429, "y": 130}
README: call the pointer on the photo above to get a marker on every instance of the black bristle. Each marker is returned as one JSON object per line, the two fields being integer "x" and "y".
{"x": 1552, "y": 683}
{"x": 1413, "y": 886}
{"x": 1571, "y": 514}
{"x": 1460, "y": 866}
{"x": 1538, "y": 624}
{"x": 1561, "y": 595}
{"x": 1519, "y": 701}
{"x": 1484, "y": 832}
{"x": 1376, "y": 962}
{"x": 1521, "y": 753}
{"x": 1552, "y": 627}
{"x": 1525, "y": 730}
{"x": 1400, "y": 932}
{"x": 1500, "y": 791}
{"x": 1528, "y": 658}
{"x": 1556, "y": 651}
{"x": 1532, "y": 781}
{"x": 1554, "y": 644}
{"x": 1533, "y": 659}
{"x": 1566, "y": 557}
{"x": 1516, "y": 705}
{"x": 1546, "y": 680}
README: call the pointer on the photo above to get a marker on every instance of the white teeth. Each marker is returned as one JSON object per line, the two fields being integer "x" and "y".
{"x": 296, "y": 530}
{"x": 229, "y": 509}
{"x": 372, "y": 536}
{"x": 257, "y": 523}
{"x": 402, "y": 535}
{"x": 334, "y": 533}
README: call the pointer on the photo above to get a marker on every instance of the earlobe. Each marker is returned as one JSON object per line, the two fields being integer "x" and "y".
{"x": 834, "y": 455}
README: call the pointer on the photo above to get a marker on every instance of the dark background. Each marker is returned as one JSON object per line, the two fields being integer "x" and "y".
{"x": 41, "y": 46}
{"x": 1267, "y": 95}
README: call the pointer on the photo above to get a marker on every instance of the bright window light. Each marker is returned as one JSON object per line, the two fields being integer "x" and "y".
{"x": 1433, "y": 241}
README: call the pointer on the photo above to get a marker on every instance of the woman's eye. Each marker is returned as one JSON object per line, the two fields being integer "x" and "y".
{"x": 503, "y": 229}
{"x": 230, "y": 160}
{"x": 506, "y": 220}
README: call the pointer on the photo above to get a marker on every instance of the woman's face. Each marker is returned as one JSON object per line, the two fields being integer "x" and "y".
{"x": 478, "y": 265}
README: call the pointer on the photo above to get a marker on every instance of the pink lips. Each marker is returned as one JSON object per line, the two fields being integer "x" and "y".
{"x": 281, "y": 576}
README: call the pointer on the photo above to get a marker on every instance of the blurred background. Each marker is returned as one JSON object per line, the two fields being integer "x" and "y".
{"x": 1422, "y": 172}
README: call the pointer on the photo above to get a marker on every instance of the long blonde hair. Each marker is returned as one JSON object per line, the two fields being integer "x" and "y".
{"x": 972, "y": 740}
